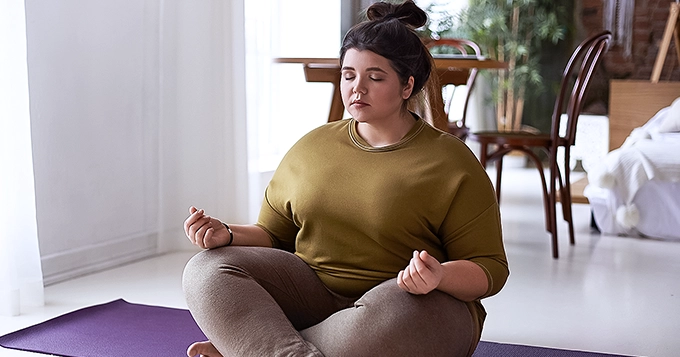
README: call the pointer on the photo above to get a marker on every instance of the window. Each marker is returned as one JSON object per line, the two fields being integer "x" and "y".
{"x": 281, "y": 106}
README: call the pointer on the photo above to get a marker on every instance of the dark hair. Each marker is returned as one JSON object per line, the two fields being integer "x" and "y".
{"x": 390, "y": 33}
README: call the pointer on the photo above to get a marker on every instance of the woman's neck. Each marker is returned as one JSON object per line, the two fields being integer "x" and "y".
{"x": 388, "y": 131}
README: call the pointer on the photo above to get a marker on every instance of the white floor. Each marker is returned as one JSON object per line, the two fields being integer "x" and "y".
{"x": 606, "y": 294}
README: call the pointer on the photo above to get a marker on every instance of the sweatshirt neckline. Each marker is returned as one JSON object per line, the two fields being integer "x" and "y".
{"x": 363, "y": 145}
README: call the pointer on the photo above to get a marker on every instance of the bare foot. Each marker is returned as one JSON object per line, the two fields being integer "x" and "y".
{"x": 204, "y": 348}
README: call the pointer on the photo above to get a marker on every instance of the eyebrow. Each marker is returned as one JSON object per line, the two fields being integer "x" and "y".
{"x": 369, "y": 69}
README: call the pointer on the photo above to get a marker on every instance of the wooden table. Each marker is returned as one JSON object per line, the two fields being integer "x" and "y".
{"x": 328, "y": 70}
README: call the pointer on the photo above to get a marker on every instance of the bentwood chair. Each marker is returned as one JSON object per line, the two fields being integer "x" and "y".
{"x": 452, "y": 80}
{"x": 575, "y": 81}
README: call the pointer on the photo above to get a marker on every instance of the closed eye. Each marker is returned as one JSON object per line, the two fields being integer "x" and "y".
{"x": 375, "y": 79}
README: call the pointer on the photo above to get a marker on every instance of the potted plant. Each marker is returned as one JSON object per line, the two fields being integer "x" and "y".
{"x": 511, "y": 31}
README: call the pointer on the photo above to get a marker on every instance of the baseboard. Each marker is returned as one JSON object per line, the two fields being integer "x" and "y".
{"x": 86, "y": 260}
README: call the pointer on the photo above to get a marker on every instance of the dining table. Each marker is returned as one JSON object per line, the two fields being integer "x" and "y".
{"x": 326, "y": 69}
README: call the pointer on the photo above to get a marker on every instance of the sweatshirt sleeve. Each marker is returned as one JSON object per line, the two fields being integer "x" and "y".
{"x": 278, "y": 224}
{"x": 480, "y": 241}
{"x": 472, "y": 229}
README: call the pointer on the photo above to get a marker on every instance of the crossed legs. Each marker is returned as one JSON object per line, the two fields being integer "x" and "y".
{"x": 252, "y": 301}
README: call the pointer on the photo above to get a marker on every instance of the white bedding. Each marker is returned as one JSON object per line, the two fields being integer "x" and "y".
{"x": 658, "y": 209}
{"x": 636, "y": 188}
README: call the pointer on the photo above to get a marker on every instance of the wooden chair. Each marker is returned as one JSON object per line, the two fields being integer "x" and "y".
{"x": 457, "y": 77}
{"x": 575, "y": 80}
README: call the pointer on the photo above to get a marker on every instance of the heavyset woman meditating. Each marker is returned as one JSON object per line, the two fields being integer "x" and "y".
{"x": 378, "y": 235}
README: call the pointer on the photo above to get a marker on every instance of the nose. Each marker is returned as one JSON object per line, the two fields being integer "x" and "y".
{"x": 359, "y": 87}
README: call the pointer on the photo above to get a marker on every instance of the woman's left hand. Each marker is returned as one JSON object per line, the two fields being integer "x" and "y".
{"x": 422, "y": 275}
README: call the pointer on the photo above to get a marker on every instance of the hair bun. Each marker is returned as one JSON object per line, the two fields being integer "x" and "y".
{"x": 407, "y": 13}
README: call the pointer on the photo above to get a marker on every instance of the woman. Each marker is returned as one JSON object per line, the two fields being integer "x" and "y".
{"x": 388, "y": 231}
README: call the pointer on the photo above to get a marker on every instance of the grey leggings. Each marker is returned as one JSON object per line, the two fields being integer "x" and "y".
{"x": 252, "y": 301}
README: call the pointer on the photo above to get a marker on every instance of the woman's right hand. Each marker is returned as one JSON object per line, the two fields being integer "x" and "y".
{"x": 205, "y": 231}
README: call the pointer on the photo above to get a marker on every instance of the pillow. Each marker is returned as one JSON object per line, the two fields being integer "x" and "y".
{"x": 671, "y": 122}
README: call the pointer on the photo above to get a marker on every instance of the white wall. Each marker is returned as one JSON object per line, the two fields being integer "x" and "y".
{"x": 137, "y": 111}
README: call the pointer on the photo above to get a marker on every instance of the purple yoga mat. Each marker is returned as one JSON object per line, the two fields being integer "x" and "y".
{"x": 494, "y": 349}
{"x": 120, "y": 328}
{"x": 117, "y": 328}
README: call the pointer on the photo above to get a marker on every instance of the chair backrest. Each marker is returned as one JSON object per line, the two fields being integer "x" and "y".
{"x": 575, "y": 82}
{"x": 459, "y": 77}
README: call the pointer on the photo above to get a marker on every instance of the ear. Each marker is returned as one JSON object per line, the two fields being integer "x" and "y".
{"x": 408, "y": 88}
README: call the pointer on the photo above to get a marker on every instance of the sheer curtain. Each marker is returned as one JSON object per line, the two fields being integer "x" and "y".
{"x": 20, "y": 271}
{"x": 281, "y": 105}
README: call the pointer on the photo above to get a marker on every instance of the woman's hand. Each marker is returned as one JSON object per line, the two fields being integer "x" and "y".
{"x": 422, "y": 275}
{"x": 205, "y": 231}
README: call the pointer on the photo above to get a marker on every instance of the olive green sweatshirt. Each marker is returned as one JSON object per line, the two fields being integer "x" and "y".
{"x": 356, "y": 213}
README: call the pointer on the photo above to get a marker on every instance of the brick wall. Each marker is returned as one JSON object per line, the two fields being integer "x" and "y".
{"x": 649, "y": 24}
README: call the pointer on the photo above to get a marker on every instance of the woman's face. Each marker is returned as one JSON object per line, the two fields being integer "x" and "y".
{"x": 371, "y": 89}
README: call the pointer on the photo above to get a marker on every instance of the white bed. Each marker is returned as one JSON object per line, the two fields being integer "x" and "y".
{"x": 635, "y": 190}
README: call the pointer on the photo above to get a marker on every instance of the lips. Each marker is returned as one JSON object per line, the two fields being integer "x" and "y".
{"x": 359, "y": 102}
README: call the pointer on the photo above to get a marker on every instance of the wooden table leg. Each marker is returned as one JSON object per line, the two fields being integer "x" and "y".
{"x": 337, "y": 108}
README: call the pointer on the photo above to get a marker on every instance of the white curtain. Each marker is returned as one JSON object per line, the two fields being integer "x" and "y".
{"x": 20, "y": 271}
{"x": 618, "y": 18}
{"x": 273, "y": 90}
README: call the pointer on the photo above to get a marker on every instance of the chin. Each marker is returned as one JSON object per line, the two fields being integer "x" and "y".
{"x": 359, "y": 117}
